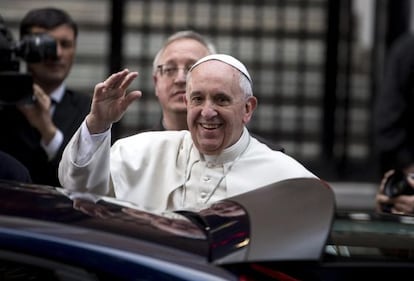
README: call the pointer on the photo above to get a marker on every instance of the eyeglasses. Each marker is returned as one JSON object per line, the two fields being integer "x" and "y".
{"x": 171, "y": 70}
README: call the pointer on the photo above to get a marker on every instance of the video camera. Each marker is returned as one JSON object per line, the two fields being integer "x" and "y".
{"x": 17, "y": 87}
{"x": 396, "y": 185}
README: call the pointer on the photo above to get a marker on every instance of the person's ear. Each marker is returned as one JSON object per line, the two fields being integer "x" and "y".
{"x": 155, "y": 81}
{"x": 250, "y": 106}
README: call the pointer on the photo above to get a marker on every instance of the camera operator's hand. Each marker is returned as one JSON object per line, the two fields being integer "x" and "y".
{"x": 381, "y": 199}
{"x": 409, "y": 171}
{"x": 38, "y": 114}
{"x": 401, "y": 204}
{"x": 110, "y": 101}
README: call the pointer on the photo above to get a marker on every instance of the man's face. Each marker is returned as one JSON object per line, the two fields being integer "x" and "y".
{"x": 217, "y": 110}
{"x": 170, "y": 86}
{"x": 51, "y": 73}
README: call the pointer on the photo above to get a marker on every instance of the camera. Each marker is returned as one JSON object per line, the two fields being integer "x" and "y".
{"x": 397, "y": 184}
{"x": 17, "y": 87}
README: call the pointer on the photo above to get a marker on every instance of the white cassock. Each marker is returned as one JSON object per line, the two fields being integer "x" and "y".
{"x": 163, "y": 170}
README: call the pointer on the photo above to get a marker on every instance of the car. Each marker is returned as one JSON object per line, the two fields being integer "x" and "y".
{"x": 290, "y": 230}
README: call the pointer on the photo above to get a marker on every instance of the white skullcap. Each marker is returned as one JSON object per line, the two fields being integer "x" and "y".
{"x": 226, "y": 59}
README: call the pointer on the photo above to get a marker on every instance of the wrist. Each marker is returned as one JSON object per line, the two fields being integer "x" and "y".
{"x": 49, "y": 134}
{"x": 95, "y": 126}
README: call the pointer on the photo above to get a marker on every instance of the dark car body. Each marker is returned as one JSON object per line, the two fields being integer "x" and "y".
{"x": 286, "y": 231}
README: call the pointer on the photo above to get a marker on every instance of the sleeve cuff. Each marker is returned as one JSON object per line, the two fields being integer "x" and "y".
{"x": 54, "y": 145}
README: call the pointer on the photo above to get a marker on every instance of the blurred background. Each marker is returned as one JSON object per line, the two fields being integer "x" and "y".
{"x": 316, "y": 64}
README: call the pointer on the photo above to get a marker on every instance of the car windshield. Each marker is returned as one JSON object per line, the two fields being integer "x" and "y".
{"x": 372, "y": 235}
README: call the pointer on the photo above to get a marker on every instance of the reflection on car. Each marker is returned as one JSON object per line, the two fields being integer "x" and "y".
{"x": 290, "y": 230}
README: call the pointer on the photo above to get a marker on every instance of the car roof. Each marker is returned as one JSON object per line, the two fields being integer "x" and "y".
{"x": 274, "y": 220}
{"x": 294, "y": 221}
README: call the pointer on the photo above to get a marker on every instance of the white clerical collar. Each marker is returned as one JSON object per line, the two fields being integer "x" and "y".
{"x": 232, "y": 152}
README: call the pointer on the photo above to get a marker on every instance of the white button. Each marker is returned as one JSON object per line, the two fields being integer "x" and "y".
{"x": 206, "y": 178}
{"x": 203, "y": 194}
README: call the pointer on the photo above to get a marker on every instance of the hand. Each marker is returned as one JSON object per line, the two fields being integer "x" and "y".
{"x": 382, "y": 201}
{"x": 402, "y": 204}
{"x": 384, "y": 179}
{"x": 38, "y": 114}
{"x": 110, "y": 101}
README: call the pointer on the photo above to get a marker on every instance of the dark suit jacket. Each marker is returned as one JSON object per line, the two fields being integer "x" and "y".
{"x": 394, "y": 111}
{"x": 23, "y": 141}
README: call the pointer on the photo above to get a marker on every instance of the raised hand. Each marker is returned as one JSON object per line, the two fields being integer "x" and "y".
{"x": 110, "y": 101}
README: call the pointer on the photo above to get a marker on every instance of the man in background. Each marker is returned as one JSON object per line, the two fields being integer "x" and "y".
{"x": 40, "y": 130}
{"x": 394, "y": 130}
{"x": 171, "y": 64}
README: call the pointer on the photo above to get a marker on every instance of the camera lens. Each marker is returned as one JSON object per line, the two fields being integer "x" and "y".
{"x": 36, "y": 48}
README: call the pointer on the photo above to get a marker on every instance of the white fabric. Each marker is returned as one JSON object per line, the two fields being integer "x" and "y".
{"x": 148, "y": 169}
{"x": 53, "y": 146}
{"x": 90, "y": 144}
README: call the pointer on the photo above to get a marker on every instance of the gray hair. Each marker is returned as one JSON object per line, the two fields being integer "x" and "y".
{"x": 245, "y": 85}
{"x": 185, "y": 34}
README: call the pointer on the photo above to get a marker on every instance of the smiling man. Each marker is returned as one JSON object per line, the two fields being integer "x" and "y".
{"x": 218, "y": 109}
{"x": 167, "y": 170}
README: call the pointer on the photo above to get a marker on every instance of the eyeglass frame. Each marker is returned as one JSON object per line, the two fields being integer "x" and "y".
{"x": 173, "y": 69}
